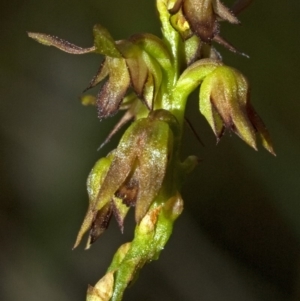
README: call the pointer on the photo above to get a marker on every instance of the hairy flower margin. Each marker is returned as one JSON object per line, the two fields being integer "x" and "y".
{"x": 151, "y": 78}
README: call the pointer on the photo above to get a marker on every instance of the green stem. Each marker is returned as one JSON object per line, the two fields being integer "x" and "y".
{"x": 175, "y": 43}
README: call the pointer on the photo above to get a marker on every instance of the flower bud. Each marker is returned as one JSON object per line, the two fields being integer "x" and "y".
{"x": 201, "y": 18}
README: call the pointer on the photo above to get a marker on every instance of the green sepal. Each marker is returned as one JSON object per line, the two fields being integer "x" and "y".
{"x": 209, "y": 111}
{"x": 94, "y": 182}
{"x": 112, "y": 92}
{"x": 192, "y": 47}
{"x": 101, "y": 74}
{"x": 104, "y": 43}
{"x": 138, "y": 73}
{"x": 154, "y": 80}
{"x": 152, "y": 164}
{"x": 154, "y": 47}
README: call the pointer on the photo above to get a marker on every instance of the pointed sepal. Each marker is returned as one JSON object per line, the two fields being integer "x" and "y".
{"x": 104, "y": 43}
{"x": 59, "y": 43}
{"x": 111, "y": 94}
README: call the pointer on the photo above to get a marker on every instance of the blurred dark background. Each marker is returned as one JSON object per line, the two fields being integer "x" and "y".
{"x": 238, "y": 238}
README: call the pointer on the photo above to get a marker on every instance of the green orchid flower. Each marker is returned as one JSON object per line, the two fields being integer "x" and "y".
{"x": 224, "y": 100}
{"x": 132, "y": 175}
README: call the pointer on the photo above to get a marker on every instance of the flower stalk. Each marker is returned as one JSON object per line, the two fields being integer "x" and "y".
{"x": 151, "y": 78}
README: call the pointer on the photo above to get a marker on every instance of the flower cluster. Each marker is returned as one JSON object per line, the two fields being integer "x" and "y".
{"x": 151, "y": 78}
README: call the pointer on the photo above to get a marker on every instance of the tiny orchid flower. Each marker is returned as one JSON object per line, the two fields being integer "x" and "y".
{"x": 132, "y": 175}
{"x": 224, "y": 100}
